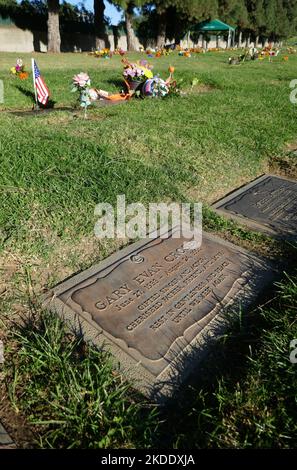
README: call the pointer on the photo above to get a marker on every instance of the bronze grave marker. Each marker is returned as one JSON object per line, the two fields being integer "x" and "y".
{"x": 268, "y": 204}
{"x": 156, "y": 305}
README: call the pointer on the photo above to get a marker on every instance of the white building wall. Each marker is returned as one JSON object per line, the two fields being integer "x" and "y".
{"x": 14, "y": 39}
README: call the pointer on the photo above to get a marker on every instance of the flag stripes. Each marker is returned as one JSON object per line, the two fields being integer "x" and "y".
{"x": 41, "y": 88}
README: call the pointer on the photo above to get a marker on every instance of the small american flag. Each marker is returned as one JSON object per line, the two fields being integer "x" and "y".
{"x": 41, "y": 88}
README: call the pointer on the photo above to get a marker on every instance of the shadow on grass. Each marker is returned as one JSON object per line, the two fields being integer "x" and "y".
{"x": 197, "y": 416}
{"x": 118, "y": 83}
{"x": 29, "y": 94}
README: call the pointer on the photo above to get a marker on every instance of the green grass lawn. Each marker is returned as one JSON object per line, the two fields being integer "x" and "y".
{"x": 231, "y": 127}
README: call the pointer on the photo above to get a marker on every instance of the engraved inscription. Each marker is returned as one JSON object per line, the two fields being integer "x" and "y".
{"x": 272, "y": 202}
{"x": 147, "y": 307}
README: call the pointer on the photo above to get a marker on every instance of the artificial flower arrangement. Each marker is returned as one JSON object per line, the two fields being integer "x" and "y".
{"x": 148, "y": 85}
{"x": 254, "y": 54}
{"x": 119, "y": 51}
{"x": 197, "y": 50}
{"x": 81, "y": 84}
{"x": 184, "y": 53}
{"x": 136, "y": 73}
{"x": 155, "y": 88}
{"x": 19, "y": 70}
{"x": 150, "y": 52}
{"x": 273, "y": 53}
{"x": 104, "y": 53}
{"x": 163, "y": 52}
{"x": 247, "y": 55}
{"x": 141, "y": 81}
{"x": 270, "y": 52}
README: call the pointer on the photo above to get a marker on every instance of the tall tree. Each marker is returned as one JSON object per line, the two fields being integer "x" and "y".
{"x": 257, "y": 16}
{"x": 291, "y": 8}
{"x": 53, "y": 26}
{"x": 99, "y": 24}
{"x": 131, "y": 38}
{"x": 188, "y": 10}
{"x": 234, "y": 12}
{"x": 270, "y": 18}
{"x": 128, "y": 7}
{"x": 283, "y": 25}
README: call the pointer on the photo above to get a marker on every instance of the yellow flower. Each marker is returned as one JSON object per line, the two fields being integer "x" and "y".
{"x": 147, "y": 72}
{"x": 13, "y": 70}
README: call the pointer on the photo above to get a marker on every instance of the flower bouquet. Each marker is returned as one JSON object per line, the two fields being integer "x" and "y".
{"x": 19, "y": 70}
{"x": 184, "y": 53}
{"x": 196, "y": 50}
{"x": 135, "y": 74}
{"x": 163, "y": 52}
{"x": 104, "y": 53}
{"x": 155, "y": 88}
{"x": 119, "y": 51}
{"x": 81, "y": 84}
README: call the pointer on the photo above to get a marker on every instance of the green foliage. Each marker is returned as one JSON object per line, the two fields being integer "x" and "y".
{"x": 75, "y": 399}
{"x": 54, "y": 170}
{"x": 271, "y": 19}
{"x": 33, "y": 15}
{"x": 234, "y": 12}
{"x": 201, "y": 138}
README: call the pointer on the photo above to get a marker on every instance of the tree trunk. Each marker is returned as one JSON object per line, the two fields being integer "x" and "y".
{"x": 256, "y": 41}
{"x": 240, "y": 39}
{"x": 229, "y": 41}
{"x": 53, "y": 27}
{"x": 248, "y": 41}
{"x": 100, "y": 34}
{"x": 131, "y": 39}
{"x": 162, "y": 22}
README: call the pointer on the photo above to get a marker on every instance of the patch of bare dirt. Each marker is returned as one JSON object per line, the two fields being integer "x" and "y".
{"x": 285, "y": 165}
{"x": 199, "y": 89}
{"x": 15, "y": 423}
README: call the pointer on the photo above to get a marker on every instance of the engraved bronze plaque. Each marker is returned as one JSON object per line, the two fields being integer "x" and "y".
{"x": 154, "y": 304}
{"x": 268, "y": 204}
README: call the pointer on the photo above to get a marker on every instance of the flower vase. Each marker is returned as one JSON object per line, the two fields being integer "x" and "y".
{"x": 134, "y": 84}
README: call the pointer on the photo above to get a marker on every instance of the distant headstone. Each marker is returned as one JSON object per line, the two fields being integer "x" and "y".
{"x": 158, "y": 306}
{"x": 268, "y": 204}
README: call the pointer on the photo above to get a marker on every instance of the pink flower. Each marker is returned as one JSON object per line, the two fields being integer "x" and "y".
{"x": 81, "y": 80}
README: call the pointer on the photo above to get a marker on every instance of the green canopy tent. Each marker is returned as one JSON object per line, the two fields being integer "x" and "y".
{"x": 214, "y": 26}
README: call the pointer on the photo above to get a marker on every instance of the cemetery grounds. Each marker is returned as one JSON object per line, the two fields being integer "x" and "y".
{"x": 234, "y": 124}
